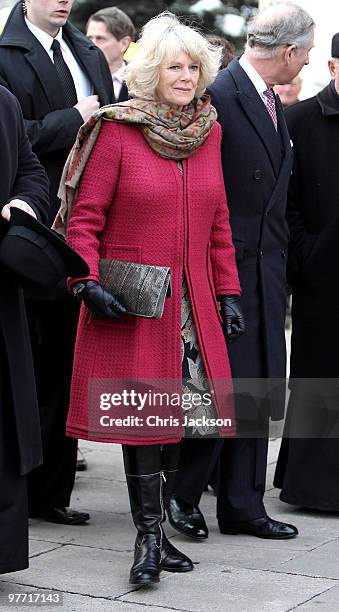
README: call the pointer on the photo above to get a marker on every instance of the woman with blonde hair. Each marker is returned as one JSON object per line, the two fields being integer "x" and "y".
{"x": 146, "y": 179}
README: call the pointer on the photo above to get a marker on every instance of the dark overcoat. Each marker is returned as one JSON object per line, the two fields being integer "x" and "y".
{"x": 22, "y": 177}
{"x": 313, "y": 216}
{"x": 308, "y": 469}
{"x": 28, "y": 72}
{"x": 256, "y": 190}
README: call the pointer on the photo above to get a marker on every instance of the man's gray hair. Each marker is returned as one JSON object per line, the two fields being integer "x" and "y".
{"x": 278, "y": 25}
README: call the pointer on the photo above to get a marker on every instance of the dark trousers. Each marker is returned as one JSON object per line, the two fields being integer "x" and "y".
{"x": 13, "y": 490}
{"x": 53, "y": 328}
{"x": 241, "y": 475}
{"x": 149, "y": 459}
{"x": 242, "y": 478}
{"x": 198, "y": 458}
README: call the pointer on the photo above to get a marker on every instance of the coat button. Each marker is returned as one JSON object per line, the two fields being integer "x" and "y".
{"x": 261, "y": 253}
{"x": 257, "y": 174}
{"x": 283, "y": 254}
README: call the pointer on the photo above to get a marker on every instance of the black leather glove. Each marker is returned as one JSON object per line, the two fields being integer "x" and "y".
{"x": 232, "y": 316}
{"x": 98, "y": 301}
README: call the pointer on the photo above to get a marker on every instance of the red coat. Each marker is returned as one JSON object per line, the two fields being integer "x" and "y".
{"x": 133, "y": 205}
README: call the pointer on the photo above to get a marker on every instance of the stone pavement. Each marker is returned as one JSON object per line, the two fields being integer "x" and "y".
{"x": 90, "y": 563}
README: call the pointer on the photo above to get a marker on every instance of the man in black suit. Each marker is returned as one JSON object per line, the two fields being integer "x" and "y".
{"x": 23, "y": 183}
{"x": 113, "y": 31}
{"x": 60, "y": 78}
{"x": 257, "y": 161}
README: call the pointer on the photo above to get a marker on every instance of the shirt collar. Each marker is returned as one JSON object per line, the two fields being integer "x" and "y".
{"x": 119, "y": 75}
{"x": 44, "y": 39}
{"x": 253, "y": 75}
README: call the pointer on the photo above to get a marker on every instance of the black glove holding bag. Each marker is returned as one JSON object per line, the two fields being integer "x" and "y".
{"x": 232, "y": 316}
{"x": 98, "y": 301}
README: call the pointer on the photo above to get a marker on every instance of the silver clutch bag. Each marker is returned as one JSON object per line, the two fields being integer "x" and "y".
{"x": 141, "y": 288}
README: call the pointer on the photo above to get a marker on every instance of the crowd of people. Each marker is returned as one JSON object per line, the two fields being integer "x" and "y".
{"x": 193, "y": 197}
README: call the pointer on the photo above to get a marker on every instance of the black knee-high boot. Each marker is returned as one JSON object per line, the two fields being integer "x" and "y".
{"x": 144, "y": 481}
{"x": 144, "y": 476}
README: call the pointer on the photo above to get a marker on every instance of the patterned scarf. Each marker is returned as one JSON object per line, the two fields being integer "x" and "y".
{"x": 172, "y": 134}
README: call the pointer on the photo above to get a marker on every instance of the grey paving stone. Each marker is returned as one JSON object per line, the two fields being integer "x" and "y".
{"x": 329, "y": 518}
{"x": 272, "y": 492}
{"x": 104, "y": 461}
{"x": 270, "y": 475}
{"x": 220, "y": 551}
{"x": 327, "y": 601}
{"x": 323, "y": 562}
{"x": 221, "y": 589}
{"x": 100, "y": 494}
{"x": 314, "y": 527}
{"x": 71, "y": 603}
{"x": 105, "y": 530}
{"x": 81, "y": 570}
{"x": 273, "y": 449}
{"x": 233, "y": 573}
{"x": 37, "y": 547}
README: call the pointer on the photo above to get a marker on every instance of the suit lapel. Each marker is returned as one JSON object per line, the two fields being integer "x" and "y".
{"x": 287, "y": 159}
{"x": 42, "y": 65}
{"x": 88, "y": 58}
{"x": 257, "y": 113}
{"x": 282, "y": 126}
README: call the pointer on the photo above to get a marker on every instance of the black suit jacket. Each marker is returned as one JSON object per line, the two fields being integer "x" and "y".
{"x": 27, "y": 71}
{"x": 257, "y": 163}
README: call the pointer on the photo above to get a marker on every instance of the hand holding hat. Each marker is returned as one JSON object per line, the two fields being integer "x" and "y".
{"x": 6, "y": 211}
{"x": 36, "y": 254}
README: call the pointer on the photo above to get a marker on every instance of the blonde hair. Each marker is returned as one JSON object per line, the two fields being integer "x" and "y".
{"x": 162, "y": 39}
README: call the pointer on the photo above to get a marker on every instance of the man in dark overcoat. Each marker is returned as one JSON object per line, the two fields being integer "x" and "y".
{"x": 257, "y": 161}
{"x": 308, "y": 466}
{"x": 23, "y": 183}
{"x": 60, "y": 78}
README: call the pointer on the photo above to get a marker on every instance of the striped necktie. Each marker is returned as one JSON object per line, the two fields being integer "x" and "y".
{"x": 270, "y": 105}
{"x": 64, "y": 74}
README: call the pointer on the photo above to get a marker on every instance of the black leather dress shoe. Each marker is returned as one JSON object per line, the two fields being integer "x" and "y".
{"x": 172, "y": 560}
{"x": 187, "y": 519}
{"x": 264, "y": 527}
{"x": 63, "y": 516}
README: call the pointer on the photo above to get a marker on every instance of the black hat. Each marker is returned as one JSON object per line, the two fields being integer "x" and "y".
{"x": 335, "y": 46}
{"x": 36, "y": 253}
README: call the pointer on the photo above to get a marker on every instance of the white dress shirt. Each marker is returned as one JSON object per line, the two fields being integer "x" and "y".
{"x": 83, "y": 86}
{"x": 118, "y": 79}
